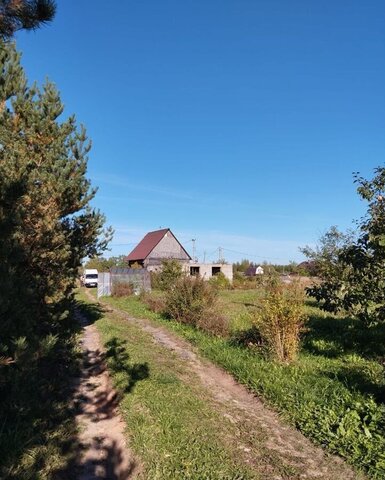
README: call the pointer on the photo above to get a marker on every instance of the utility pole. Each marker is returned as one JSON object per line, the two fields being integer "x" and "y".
{"x": 193, "y": 242}
{"x": 219, "y": 254}
{"x": 204, "y": 256}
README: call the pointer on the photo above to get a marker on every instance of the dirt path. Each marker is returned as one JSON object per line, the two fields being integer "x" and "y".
{"x": 104, "y": 452}
{"x": 249, "y": 414}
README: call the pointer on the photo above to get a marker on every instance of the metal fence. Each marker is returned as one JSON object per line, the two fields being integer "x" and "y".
{"x": 104, "y": 284}
{"x": 138, "y": 278}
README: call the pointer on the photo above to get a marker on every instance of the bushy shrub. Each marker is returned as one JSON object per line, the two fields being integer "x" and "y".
{"x": 171, "y": 272}
{"x": 122, "y": 289}
{"x": 241, "y": 282}
{"x": 220, "y": 281}
{"x": 215, "y": 324}
{"x": 280, "y": 319}
{"x": 192, "y": 301}
{"x": 155, "y": 303}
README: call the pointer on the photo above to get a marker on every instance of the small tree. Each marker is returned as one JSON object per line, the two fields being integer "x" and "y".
{"x": 353, "y": 273}
{"x": 170, "y": 273}
{"x": 326, "y": 255}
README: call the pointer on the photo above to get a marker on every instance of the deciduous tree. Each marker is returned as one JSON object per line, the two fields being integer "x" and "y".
{"x": 353, "y": 266}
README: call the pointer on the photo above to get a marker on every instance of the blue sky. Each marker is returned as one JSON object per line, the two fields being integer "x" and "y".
{"x": 237, "y": 123}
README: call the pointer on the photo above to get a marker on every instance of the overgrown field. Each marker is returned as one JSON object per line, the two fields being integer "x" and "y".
{"x": 335, "y": 391}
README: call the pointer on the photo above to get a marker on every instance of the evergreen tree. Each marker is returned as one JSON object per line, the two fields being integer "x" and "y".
{"x": 46, "y": 223}
{"x": 24, "y": 14}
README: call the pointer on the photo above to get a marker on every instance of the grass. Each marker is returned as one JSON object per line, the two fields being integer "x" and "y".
{"x": 174, "y": 428}
{"x": 334, "y": 393}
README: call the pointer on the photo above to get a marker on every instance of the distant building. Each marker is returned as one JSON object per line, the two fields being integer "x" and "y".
{"x": 209, "y": 270}
{"x": 253, "y": 271}
{"x": 161, "y": 245}
{"x": 155, "y": 247}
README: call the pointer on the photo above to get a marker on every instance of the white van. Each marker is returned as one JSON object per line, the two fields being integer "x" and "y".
{"x": 90, "y": 277}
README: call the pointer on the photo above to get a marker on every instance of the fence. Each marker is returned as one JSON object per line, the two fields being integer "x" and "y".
{"x": 104, "y": 284}
{"x": 138, "y": 278}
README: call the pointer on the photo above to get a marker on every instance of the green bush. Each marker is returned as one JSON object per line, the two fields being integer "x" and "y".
{"x": 170, "y": 273}
{"x": 193, "y": 301}
{"x": 220, "y": 281}
{"x": 154, "y": 302}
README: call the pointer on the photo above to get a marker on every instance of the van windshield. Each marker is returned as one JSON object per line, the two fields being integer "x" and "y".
{"x": 92, "y": 275}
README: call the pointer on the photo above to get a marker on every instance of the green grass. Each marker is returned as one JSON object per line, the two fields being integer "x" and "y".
{"x": 334, "y": 393}
{"x": 174, "y": 429}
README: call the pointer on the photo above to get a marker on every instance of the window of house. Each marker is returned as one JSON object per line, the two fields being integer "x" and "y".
{"x": 194, "y": 270}
{"x": 215, "y": 270}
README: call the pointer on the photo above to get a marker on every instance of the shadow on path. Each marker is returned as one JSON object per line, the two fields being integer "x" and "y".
{"x": 101, "y": 451}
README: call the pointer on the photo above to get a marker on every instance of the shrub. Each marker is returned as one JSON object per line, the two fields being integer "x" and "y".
{"x": 171, "y": 272}
{"x": 220, "y": 281}
{"x": 122, "y": 289}
{"x": 241, "y": 282}
{"x": 192, "y": 301}
{"x": 156, "y": 304}
{"x": 215, "y": 324}
{"x": 280, "y": 319}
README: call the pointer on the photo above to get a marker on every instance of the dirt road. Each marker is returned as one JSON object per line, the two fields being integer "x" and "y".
{"x": 249, "y": 414}
{"x": 105, "y": 453}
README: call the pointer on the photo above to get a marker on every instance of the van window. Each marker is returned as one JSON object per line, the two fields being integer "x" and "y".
{"x": 92, "y": 275}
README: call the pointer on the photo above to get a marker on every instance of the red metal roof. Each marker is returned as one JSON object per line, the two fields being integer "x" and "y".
{"x": 147, "y": 244}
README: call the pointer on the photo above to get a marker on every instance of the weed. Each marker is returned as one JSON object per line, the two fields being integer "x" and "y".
{"x": 280, "y": 319}
{"x": 122, "y": 289}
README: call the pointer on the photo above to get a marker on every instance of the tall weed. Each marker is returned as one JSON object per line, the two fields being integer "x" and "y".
{"x": 280, "y": 319}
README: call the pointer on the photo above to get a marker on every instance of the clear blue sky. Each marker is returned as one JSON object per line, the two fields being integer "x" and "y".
{"x": 238, "y": 123}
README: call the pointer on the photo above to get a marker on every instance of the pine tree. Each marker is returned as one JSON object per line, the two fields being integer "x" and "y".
{"x": 47, "y": 225}
{"x": 24, "y": 14}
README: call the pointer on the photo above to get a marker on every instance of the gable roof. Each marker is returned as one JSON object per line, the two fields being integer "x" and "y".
{"x": 148, "y": 243}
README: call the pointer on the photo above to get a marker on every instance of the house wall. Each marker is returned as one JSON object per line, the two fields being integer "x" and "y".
{"x": 205, "y": 269}
{"x": 167, "y": 248}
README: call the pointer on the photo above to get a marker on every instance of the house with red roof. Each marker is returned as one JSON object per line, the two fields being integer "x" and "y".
{"x": 155, "y": 247}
